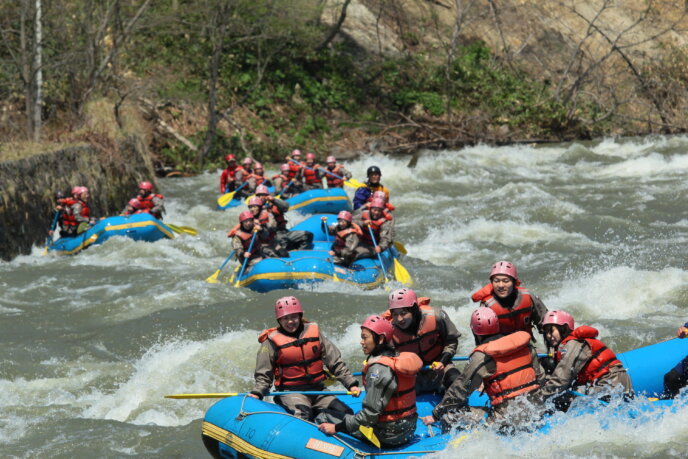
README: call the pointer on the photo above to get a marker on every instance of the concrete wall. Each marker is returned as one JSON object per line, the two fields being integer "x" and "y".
{"x": 27, "y": 189}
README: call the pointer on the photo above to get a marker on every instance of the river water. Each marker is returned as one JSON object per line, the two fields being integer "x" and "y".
{"x": 92, "y": 343}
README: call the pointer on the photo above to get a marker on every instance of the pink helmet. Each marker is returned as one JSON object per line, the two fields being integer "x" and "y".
{"x": 379, "y": 326}
{"x": 284, "y": 168}
{"x": 76, "y": 190}
{"x": 247, "y": 160}
{"x": 257, "y": 165}
{"x": 255, "y": 201}
{"x": 148, "y": 186}
{"x": 230, "y": 157}
{"x": 82, "y": 190}
{"x": 504, "y": 267}
{"x": 310, "y": 157}
{"x": 135, "y": 203}
{"x": 331, "y": 159}
{"x": 379, "y": 195}
{"x": 402, "y": 298}
{"x": 262, "y": 189}
{"x": 295, "y": 153}
{"x": 484, "y": 321}
{"x": 245, "y": 215}
{"x": 287, "y": 305}
{"x": 558, "y": 318}
{"x": 377, "y": 202}
{"x": 345, "y": 215}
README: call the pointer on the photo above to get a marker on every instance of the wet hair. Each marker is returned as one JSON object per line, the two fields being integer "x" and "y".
{"x": 564, "y": 331}
{"x": 380, "y": 348}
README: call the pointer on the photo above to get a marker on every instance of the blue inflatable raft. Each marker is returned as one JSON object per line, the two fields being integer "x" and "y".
{"x": 304, "y": 268}
{"x": 139, "y": 227}
{"x": 243, "y": 427}
{"x": 330, "y": 200}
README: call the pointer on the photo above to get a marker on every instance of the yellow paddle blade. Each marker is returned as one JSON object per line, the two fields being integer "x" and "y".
{"x": 218, "y": 395}
{"x": 370, "y": 435}
{"x": 225, "y": 198}
{"x": 400, "y": 247}
{"x": 353, "y": 183}
{"x": 402, "y": 274}
{"x": 189, "y": 230}
{"x": 213, "y": 279}
{"x": 456, "y": 442}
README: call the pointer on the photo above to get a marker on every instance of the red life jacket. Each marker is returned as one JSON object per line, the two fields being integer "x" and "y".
{"x": 516, "y": 318}
{"x": 403, "y": 402}
{"x": 514, "y": 374}
{"x": 340, "y": 236}
{"x": 147, "y": 204}
{"x": 375, "y": 225}
{"x": 332, "y": 181}
{"x": 279, "y": 216}
{"x": 259, "y": 179}
{"x": 293, "y": 169}
{"x": 310, "y": 175}
{"x": 602, "y": 356}
{"x": 264, "y": 218}
{"x": 299, "y": 361}
{"x": 228, "y": 175}
{"x": 66, "y": 217}
{"x": 245, "y": 238}
{"x": 427, "y": 343}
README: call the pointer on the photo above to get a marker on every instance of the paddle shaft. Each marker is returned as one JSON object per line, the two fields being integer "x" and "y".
{"x": 226, "y": 260}
{"x": 53, "y": 225}
{"x": 269, "y": 394}
{"x": 382, "y": 266}
{"x": 243, "y": 266}
{"x": 239, "y": 188}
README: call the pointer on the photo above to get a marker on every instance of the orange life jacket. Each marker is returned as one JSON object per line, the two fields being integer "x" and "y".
{"x": 341, "y": 235}
{"x": 299, "y": 360}
{"x": 403, "y": 402}
{"x": 279, "y": 216}
{"x": 264, "y": 217}
{"x": 245, "y": 239}
{"x": 332, "y": 181}
{"x": 147, "y": 203}
{"x": 375, "y": 225}
{"x": 66, "y": 217}
{"x": 293, "y": 169}
{"x": 259, "y": 179}
{"x": 427, "y": 343}
{"x": 514, "y": 374}
{"x": 310, "y": 174}
{"x": 516, "y": 318}
{"x": 602, "y": 356}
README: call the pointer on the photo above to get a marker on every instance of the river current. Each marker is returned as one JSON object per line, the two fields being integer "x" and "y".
{"x": 91, "y": 343}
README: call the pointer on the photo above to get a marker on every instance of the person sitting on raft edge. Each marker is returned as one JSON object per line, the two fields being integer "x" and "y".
{"x": 294, "y": 355}
{"x": 389, "y": 377}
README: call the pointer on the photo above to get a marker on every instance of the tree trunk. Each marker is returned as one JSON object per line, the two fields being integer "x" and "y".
{"x": 38, "y": 73}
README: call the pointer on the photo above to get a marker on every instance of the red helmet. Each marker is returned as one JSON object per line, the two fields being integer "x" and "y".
{"x": 257, "y": 165}
{"x": 379, "y": 326}
{"x": 379, "y": 195}
{"x": 344, "y": 215}
{"x": 262, "y": 189}
{"x": 135, "y": 203}
{"x": 247, "y": 160}
{"x": 377, "y": 202}
{"x": 255, "y": 201}
{"x": 245, "y": 215}
{"x": 284, "y": 168}
{"x": 310, "y": 157}
{"x": 504, "y": 267}
{"x": 295, "y": 153}
{"x": 230, "y": 157}
{"x": 558, "y": 318}
{"x": 148, "y": 186}
{"x": 287, "y": 305}
{"x": 331, "y": 159}
{"x": 402, "y": 298}
{"x": 484, "y": 321}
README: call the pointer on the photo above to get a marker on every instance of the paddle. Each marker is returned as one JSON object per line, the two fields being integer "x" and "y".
{"x": 213, "y": 278}
{"x": 53, "y": 225}
{"x": 182, "y": 229}
{"x": 353, "y": 183}
{"x": 327, "y": 237}
{"x": 279, "y": 196}
{"x": 225, "y": 198}
{"x": 382, "y": 266}
{"x": 243, "y": 266}
{"x": 400, "y": 247}
{"x": 269, "y": 394}
{"x": 370, "y": 435}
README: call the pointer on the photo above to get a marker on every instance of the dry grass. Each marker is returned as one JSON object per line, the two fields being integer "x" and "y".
{"x": 11, "y": 151}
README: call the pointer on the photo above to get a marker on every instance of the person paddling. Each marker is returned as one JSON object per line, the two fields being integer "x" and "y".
{"x": 389, "y": 406}
{"x": 334, "y": 173}
{"x": 290, "y": 240}
{"x": 232, "y": 176}
{"x": 151, "y": 203}
{"x": 677, "y": 377}
{"x": 294, "y": 356}
{"x": 427, "y": 332}
{"x": 506, "y": 366}
{"x": 373, "y": 184}
{"x": 347, "y": 237}
{"x": 516, "y": 307}
{"x": 242, "y": 234}
{"x": 583, "y": 362}
{"x": 382, "y": 226}
{"x": 132, "y": 207}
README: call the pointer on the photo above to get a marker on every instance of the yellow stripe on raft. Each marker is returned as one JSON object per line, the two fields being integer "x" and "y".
{"x": 310, "y": 201}
{"x": 238, "y": 444}
{"x": 306, "y": 275}
{"x": 83, "y": 245}
{"x": 94, "y": 237}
